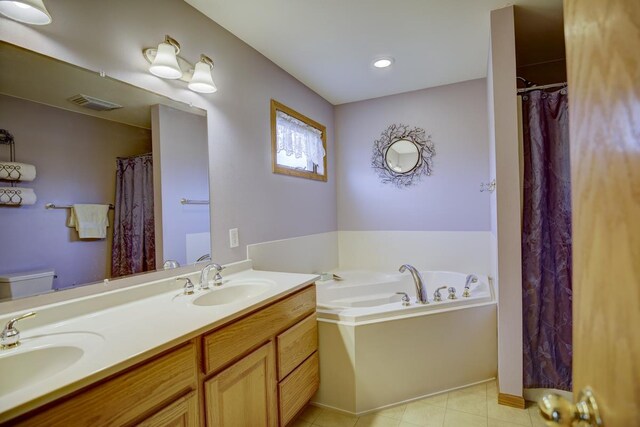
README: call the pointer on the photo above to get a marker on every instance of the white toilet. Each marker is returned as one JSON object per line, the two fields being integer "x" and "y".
{"x": 18, "y": 285}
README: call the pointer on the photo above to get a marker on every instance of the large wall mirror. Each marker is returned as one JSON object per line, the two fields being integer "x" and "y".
{"x": 94, "y": 140}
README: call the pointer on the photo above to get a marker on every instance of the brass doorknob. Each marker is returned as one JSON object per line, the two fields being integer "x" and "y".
{"x": 557, "y": 410}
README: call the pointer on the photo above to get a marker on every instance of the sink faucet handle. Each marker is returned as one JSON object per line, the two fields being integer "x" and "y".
{"x": 452, "y": 293}
{"x": 10, "y": 336}
{"x": 217, "y": 279}
{"x": 436, "y": 295}
{"x": 405, "y": 298}
{"x": 189, "y": 288}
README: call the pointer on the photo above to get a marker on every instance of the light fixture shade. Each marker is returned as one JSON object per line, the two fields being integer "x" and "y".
{"x": 202, "y": 81}
{"x": 165, "y": 64}
{"x": 28, "y": 11}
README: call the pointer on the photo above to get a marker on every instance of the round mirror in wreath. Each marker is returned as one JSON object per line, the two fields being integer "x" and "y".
{"x": 402, "y": 155}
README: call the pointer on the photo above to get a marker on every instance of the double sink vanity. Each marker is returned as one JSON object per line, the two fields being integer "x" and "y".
{"x": 243, "y": 353}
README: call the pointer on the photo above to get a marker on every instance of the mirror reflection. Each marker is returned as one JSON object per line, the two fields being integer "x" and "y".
{"x": 100, "y": 168}
{"x": 402, "y": 156}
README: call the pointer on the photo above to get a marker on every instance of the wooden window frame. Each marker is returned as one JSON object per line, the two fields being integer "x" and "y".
{"x": 284, "y": 170}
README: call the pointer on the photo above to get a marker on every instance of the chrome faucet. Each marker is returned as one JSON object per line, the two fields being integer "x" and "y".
{"x": 471, "y": 278}
{"x": 10, "y": 336}
{"x": 204, "y": 276}
{"x": 421, "y": 292}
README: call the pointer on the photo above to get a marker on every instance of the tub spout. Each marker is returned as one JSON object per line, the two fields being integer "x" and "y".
{"x": 421, "y": 292}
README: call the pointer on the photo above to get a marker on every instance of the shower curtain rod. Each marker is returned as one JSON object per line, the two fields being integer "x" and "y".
{"x": 529, "y": 89}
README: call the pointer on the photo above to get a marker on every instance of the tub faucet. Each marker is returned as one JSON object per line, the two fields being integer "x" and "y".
{"x": 421, "y": 292}
{"x": 204, "y": 275}
{"x": 471, "y": 278}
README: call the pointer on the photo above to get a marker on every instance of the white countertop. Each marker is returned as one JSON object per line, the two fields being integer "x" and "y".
{"x": 129, "y": 331}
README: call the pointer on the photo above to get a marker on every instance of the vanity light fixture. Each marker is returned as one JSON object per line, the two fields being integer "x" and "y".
{"x": 164, "y": 59}
{"x": 383, "y": 62}
{"x": 202, "y": 81}
{"x": 27, "y": 11}
{"x": 166, "y": 63}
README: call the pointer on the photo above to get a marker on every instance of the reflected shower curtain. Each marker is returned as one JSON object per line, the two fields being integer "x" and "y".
{"x": 546, "y": 241}
{"x": 134, "y": 229}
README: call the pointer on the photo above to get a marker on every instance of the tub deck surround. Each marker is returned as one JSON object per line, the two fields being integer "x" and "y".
{"x": 376, "y": 353}
{"x": 127, "y": 326}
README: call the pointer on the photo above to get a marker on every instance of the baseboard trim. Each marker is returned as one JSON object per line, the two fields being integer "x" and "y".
{"x": 511, "y": 400}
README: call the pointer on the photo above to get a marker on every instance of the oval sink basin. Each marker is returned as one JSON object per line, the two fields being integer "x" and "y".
{"x": 231, "y": 294}
{"x": 30, "y": 367}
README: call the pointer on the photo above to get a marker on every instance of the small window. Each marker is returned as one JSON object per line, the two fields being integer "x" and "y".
{"x": 298, "y": 144}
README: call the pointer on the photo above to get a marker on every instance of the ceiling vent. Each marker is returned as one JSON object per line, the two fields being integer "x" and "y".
{"x": 87, "y": 101}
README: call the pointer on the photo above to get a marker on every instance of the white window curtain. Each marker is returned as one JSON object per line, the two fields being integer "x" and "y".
{"x": 298, "y": 138}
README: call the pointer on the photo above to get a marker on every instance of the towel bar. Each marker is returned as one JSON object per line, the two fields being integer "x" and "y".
{"x": 54, "y": 206}
{"x": 193, "y": 202}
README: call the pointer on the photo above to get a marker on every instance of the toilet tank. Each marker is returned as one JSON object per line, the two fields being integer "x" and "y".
{"x": 23, "y": 284}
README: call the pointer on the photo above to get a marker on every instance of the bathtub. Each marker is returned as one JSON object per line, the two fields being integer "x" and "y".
{"x": 375, "y": 352}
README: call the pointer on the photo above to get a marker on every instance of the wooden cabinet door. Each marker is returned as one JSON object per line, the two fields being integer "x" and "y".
{"x": 181, "y": 413}
{"x": 244, "y": 394}
{"x": 603, "y": 51}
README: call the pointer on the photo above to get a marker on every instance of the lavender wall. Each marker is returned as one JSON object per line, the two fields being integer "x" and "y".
{"x": 75, "y": 158}
{"x": 180, "y": 154}
{"x": 449, "y": 200}
{"x": 110, "y": 35}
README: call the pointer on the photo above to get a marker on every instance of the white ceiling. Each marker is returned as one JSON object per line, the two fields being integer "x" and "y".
{"x": 329, "y": 45}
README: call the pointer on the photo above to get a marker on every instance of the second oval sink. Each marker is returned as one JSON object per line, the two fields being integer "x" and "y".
{"x": 231, "y": 294}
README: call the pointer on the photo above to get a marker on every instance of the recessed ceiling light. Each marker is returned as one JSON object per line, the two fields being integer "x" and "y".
{"x": 383, "y": 62}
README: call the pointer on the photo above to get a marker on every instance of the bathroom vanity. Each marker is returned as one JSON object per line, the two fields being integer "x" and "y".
{"x": 252, "y": 361}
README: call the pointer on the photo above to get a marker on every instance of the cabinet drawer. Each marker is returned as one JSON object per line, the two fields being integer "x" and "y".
{"x": 296, "y": 344}
{"x": 296, "y": 390}
{"x": 233, "y": 341}
{"x": 127, "y": 397}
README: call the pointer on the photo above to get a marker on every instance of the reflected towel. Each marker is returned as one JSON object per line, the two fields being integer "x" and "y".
{"x": 90, "y": 221}
{"x": 13, "y": 171}
{"x": 17, "y": 196}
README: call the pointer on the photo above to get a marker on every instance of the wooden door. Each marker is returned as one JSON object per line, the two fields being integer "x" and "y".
{"x": 244, "y": 394}
{"x": 183, "y": 412}
{"x": 603, "y": 64}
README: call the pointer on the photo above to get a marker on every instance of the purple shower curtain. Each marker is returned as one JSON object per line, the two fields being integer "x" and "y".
{"x": 133, "y": 231}
{"x": 546, "y": 241}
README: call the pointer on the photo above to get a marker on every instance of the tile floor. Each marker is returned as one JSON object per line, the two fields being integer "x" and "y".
{"x": 470, "y": 407}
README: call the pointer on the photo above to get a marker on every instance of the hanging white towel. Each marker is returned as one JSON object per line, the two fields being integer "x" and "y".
{"x": 13, "y": 171}
{"x": 17, "y": 196}
{"x": 90, "y": 221}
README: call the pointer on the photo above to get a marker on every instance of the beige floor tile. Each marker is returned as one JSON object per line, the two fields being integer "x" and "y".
{"x": 423, "y": 414}
{"x": 471, "y": 403}
{"x": 462, "y": 419}
{"x": 480, "y": 389}
{"x": 534, "y": 413}
{"x": 377, "y": 420}
{"x": 394, "y": 412}
{"x": 329, "y": 418}
{"x": 437, "y": 400}
{"x": 310, "y": 413}
{"x": 506, "y": 413}
{"x": 499, "y": 423}
{"x": 492, "y": 389}
{"x": 406, "y": 424}
{"x": 300, "y": 423}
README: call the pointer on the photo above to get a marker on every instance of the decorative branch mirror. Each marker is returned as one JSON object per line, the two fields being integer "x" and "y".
{"x": 402, "y": 155}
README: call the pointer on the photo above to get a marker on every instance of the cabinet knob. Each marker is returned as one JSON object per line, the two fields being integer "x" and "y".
{"x": 558, "y": 411}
